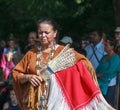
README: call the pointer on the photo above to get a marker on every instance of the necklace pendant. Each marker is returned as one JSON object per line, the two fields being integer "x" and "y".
{"x": 38, "y": 59}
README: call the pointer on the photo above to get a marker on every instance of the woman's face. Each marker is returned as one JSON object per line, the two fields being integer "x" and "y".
{"x": 94, "y": 38}
{"x": 46, "y": 34}
{"x": 31, "y": 38}
{"x": 13, "y": 96}
{"x": 108, "y": 47}
{"x": 11, "y": 44}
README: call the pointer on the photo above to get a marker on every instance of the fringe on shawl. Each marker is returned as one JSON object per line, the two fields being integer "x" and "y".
{"x": 98, "y": 103}
{"x": 57, "y": 101}
{"x": 30, "y": 95}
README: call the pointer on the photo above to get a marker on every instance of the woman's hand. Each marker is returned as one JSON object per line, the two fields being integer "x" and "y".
{"x": 35, "y": 80}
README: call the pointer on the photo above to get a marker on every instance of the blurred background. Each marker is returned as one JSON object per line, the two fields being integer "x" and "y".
{"x": 75, "y": 17}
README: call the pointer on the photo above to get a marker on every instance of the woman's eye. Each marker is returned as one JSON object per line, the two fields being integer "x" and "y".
{"x": 45, "y": 32}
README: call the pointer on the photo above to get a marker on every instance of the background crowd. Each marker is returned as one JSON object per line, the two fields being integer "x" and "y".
{"x": 102, "y": 50}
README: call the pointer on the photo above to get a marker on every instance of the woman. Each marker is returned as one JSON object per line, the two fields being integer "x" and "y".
{"x": 107, "y": 71}
{"x": 6, "y": 62}
{"x": 37, "y": 88}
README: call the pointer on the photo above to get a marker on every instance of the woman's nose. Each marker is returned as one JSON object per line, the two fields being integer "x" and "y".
{"x": 43, "y": 34}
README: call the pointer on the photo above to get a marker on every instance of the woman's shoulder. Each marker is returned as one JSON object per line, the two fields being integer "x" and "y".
{"x": 60, "y": 47}
{"x": 116, "y": 56}
{"x": 79, "y": 56}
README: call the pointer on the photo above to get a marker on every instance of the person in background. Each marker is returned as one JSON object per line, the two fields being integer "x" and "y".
{"x": 16, "y": 39}
{"x": 107, "y": 71}
{"x": 2, "y": 46}
{"x": 66, "y": 40}
{"x": 117, "y": 48}
{"x": 117, "y": 35}
{"x": 83, "y": 44}
{"x": 7, "y": 56}
{"x": 12, "y": 104}
{"x": 56, "y": 77}
{"x": 77, "y": 45}
{"x": 95, "y": 50}
{"x": 31, "y": 41}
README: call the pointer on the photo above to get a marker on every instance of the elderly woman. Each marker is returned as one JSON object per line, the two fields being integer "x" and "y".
{"x": 54, "y": 77}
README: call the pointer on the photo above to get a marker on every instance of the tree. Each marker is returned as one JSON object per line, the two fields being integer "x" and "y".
{"x": 76, "y": 17}
{"x": 116, "y": 5}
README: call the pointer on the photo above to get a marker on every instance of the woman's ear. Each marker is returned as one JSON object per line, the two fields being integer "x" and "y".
{"x": 55, "y": 33}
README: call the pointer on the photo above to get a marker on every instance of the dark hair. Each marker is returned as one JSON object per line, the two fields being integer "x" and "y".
{"x": 49, "y": 21}
{"x": 100, "y": 33}
{"x": 111, "y": 41}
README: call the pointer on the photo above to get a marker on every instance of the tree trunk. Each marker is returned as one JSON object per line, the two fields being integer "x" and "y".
{"x": 116, "y": 5}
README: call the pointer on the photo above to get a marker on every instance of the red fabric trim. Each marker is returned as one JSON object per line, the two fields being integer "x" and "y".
{"x": 77, "y": 85}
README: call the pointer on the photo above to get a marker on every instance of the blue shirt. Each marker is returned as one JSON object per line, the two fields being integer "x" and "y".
{"x": 99, "y": 51}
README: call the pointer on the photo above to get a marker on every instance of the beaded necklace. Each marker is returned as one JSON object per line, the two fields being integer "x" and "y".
{"x": 41, "y": 61}
{"x": 40, "y": 64}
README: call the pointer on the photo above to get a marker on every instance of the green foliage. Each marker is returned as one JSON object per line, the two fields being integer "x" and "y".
{"x": 101, "y": 16}
{"x": 76, "y": 17}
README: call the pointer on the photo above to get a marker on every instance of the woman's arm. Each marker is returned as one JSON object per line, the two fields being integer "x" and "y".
{"x": 35, "y": 80}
